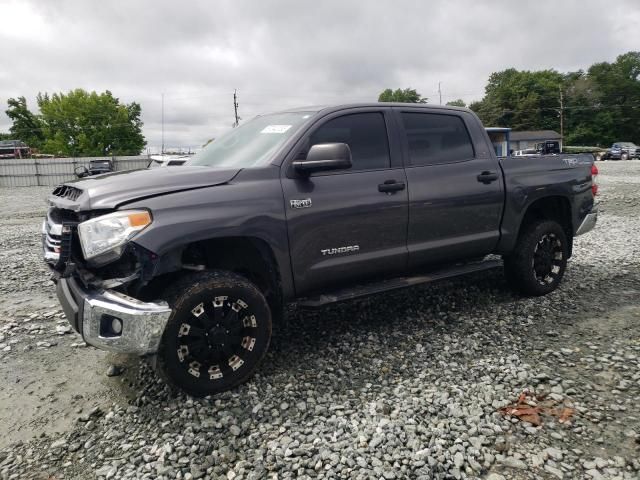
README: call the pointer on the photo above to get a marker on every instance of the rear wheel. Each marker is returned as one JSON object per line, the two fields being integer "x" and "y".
{"x": 539, "y": 260}
{"x": 217, "y": 335}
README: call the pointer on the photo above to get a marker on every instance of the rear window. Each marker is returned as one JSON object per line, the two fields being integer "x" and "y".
{"x": 435, "y": 139}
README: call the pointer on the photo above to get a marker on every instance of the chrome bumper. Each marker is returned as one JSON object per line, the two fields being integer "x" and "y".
{"x": 588, "y": 223}
{"x": 92, "y": 314}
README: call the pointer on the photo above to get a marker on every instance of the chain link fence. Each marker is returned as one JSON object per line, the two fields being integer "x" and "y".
{"x": 31, "y": 172}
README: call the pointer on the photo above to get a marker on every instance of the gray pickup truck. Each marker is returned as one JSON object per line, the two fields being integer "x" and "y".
{"x": 191, "y": 265}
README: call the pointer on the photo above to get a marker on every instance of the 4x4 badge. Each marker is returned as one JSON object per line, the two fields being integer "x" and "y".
{"x": 304, "y": 203}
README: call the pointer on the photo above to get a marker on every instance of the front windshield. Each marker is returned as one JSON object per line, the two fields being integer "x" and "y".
{"x": 627, "y": 144}
{"x": 251, "y": 144}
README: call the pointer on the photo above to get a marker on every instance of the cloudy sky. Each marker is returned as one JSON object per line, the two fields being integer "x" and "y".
{"x": 291, "y": 53}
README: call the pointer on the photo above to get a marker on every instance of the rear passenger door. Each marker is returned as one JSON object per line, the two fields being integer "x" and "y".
{"x": 348, "y": 225}
{"x": 455, "y": 188}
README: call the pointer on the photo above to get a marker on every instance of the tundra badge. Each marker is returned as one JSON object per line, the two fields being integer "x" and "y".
{"x": 304, "y": 203}
{"x": 333, "y": 251}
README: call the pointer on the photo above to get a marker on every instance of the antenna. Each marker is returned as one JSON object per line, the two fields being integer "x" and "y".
{"x": 440, "y": 93}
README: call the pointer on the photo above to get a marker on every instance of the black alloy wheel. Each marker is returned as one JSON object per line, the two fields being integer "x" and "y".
{"x": 548, "y": 257}
{"x": 539, "y": 258}
{"x": 217, "y": 335}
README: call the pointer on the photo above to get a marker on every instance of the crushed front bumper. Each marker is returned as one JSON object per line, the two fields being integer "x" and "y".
{"x": 93, "y": 314}
{"x": 588, "y": 222}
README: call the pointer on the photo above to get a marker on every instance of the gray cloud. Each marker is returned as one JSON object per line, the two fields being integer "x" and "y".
{"x": 288, "y": 53}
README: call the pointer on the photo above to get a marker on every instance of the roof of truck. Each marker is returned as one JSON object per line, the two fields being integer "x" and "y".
{"x": 342, "y": 106}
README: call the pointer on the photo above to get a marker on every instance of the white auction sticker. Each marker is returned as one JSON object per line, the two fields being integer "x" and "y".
{"x": 275, "y": 128}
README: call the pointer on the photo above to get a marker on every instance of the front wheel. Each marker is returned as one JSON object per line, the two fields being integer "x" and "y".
{"x": 537, "y": 265}
{"x": 217, "y": 335}
{"x": 624, "y": 156}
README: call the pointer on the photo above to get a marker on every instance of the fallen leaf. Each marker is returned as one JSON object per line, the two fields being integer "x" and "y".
{"x": 533, "y": 414}
{"x": 567, "y": 413}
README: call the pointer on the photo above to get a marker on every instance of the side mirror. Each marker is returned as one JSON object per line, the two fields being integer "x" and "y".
{"x": 323, "y": 157}
{"x": 81, "y": 171}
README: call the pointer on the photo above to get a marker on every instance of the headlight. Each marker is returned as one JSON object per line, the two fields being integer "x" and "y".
{"x": 111, "y": 232}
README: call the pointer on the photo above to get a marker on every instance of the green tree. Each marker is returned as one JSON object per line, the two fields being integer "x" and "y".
{"x": 522, "y": 100}
{"x": 26, "y": 126}
{"x": 600, "y": 105}
{"x": 585, "y": 121}
{"x": 614, "y": 99}
{"x": 5, "y": 136}
{"x": 408, "y": 95}
{"x": 82, "y": 123}
{"x": 457, "y": 103}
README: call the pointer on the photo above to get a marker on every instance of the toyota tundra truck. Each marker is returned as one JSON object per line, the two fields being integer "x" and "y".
{"x": 191, "y": 265}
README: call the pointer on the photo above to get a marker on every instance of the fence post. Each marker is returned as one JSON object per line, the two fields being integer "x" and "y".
{"x": 37, "y": 173}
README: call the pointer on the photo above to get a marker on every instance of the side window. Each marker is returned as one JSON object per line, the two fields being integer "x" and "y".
{"x": 436, "y": 139}
{"x": 366, "y": 135}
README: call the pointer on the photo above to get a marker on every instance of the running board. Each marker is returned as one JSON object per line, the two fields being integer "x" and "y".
{"x": 361, "y": 291}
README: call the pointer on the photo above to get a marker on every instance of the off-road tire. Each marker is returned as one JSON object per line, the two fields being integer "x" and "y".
{"x": 541, "y": 246}
{"x": 201, "y": 316}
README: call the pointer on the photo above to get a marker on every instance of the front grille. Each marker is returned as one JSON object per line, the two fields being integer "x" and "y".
{"x": 66, "y": 191}
{"x": 56, "y": 238}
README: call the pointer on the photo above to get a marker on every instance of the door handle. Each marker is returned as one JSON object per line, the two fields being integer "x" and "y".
{"x": 390, "y": 186}
{"x": 487, "y": 177}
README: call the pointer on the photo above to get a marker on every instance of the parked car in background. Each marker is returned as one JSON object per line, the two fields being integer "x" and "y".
{"x": 167, "y": 160}
{"x": 529, "y": 152}
{"x": 629, "y": 150}
{"x": 549, "y": 147}
{"x": 96, "y": 167}
{"x": 621, "y": 151}
{"x": 14, "y": 149}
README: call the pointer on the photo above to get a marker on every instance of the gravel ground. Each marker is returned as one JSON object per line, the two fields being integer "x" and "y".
{"x": 404, "y": 385}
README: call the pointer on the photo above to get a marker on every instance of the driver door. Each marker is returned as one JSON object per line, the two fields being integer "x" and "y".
{"x": 348, "y": 225}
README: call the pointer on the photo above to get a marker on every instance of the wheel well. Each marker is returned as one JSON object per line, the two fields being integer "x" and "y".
{"x": 247, "y": 256}
{"x": 551, "y": 208}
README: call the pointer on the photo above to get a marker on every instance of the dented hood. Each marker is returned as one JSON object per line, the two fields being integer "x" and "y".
{"x": 113, "y": 189}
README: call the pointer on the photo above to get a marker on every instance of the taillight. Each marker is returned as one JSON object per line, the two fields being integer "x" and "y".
{"x": 594, "y": 174}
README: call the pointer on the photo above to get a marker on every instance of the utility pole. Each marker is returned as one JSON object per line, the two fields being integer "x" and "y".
{"x": 440, "y": 93}
{"x": 561, "y": 116}
{"x": 162, "y": 149}
{"x": 235, "y": 108}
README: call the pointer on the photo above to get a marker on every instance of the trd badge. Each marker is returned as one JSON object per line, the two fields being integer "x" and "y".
{"x": 304, "y": 203}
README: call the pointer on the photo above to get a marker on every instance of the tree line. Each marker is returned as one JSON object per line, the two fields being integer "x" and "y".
{"x": 78, "y": 123}
{"x": 598, "y": 106}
